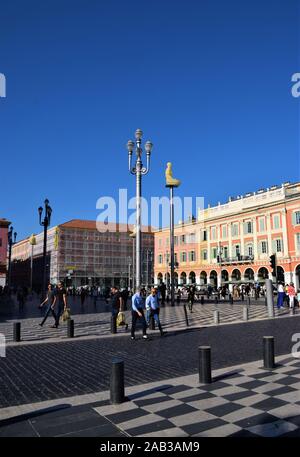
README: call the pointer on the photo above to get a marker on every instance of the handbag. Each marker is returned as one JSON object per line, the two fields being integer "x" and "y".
{"x": 66, "y": 315}
{"x": 121, "y": 319}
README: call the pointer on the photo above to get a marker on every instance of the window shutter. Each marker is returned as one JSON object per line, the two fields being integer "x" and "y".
{"x": 245, "y": 228}
{"x": 294, "y": 218}
{"x": 274, "y": 246}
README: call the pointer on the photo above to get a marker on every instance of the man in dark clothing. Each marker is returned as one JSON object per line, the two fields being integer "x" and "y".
{"x": 162, "y": 290}
{"x": 116, "y": 304}
{"x": 50, "y": 300}
{"x": 61, "y": 299}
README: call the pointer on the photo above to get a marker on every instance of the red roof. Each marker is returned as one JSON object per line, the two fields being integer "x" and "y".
{"x": 92, "y": 225}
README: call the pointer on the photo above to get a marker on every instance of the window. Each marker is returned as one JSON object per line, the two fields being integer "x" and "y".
{"x": 182, "y": 239}
{"x": 250, "y": 249}
{"x": 225, "y": 252}
{"x": 214, "y": 253}
{"x": 264, "y": 247}
{"x": 213, "y": 233}
{"x": 237, "y": 250}
{"x": 175, "y": 257}
{"x": 278, "y": 245}
{"x": 262, "y": 224}
{"x": 234, "y": 230}
{"x": 297, "y": 243}
{"x": 176, "y": 240}
{"x": 160, "y": 258}
{"x": 276, "y": 222}
{"x": 192, "y": 256}
{"x": 204, "y": 254}
{"x": 224, "y": 231}
{"x": 248, "y": 227}
{"x": 192, "y": 238}
{"x": 296, "y": 218}
{"x": 204, "y": 235}
{"x": 183, "y": 256}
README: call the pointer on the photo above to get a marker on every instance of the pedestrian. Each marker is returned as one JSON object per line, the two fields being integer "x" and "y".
{"x": 95, "y": 296}
{"x": 291, "y": 293}
{"x": 20, "y": 298}
{"x": 152, "y": 306}
{"x": 116, "y": 305}
{"x": 61, "y": 300}
{"x": 191, "y": 297}
{"x": 280, "y": 295}
{"x": 162, "y": 290}
{"x": 82, "y": 295}
{"x": 50, "y": 300}
{"x": 137, "y": 308}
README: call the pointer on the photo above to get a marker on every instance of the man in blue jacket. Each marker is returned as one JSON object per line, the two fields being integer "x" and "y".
{"x": 137, "y": 310}
{"x": 152, "y": 307}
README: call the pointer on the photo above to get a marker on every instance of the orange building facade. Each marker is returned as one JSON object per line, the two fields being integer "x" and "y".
{"x": 232, "y": 242}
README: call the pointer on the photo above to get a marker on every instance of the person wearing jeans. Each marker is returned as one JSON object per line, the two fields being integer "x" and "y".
{"x": 50, "y": 300}
{"x": 137, "y": 312}
{"x": 61, "y": 296}
{"x": 152, "y": 307}
{"x": 280, "y": 296}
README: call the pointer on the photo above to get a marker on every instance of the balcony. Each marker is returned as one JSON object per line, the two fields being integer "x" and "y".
{"x": 239, "y": 259}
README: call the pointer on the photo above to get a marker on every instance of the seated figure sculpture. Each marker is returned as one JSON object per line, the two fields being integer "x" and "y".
{"x": 170, "y": 181}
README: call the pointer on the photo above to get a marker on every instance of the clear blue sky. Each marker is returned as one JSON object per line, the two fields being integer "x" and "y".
{"x": 207, "y": 81}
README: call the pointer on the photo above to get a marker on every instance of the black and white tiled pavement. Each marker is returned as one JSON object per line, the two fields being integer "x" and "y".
{"x": 95, "y": 324}
{"x": 248, "y": 401}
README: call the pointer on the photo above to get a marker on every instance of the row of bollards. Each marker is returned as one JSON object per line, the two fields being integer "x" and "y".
{"x": 204, "y": 358}
{"x": 117, "y": 385}
{"x": 17, "y": 330}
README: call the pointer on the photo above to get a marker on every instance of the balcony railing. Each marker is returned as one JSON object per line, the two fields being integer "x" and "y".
{"x": 237, "y": 259}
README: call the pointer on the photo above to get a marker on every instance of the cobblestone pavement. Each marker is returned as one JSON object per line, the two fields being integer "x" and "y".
{"x": 39, "y": 372}
{"x": 242, "y": 401}
{"x": 95, "y": 321}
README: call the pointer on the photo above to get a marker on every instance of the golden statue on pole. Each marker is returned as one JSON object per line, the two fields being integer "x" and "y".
{"x": 170, "y": 181}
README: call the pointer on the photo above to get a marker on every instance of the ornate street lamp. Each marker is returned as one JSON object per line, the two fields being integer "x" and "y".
{"x": 138, "y": 170}
{"x": 45, "y": 223}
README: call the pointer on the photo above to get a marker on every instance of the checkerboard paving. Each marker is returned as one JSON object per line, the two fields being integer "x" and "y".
{"x": 95, "y": 324}
{"x": 248, "y": 401}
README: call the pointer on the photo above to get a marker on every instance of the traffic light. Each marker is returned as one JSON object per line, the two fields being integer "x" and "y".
{"x": 273, "y": 264}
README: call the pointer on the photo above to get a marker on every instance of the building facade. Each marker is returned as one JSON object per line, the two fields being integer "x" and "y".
{"x": 79, "y": 254}
{"x": 232, "y": 242}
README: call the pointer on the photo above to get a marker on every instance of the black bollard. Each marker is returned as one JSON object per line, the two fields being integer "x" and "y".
{"x": 204, "y": 365}
{"x": 268, "y": 347}
{"x": 117, "y": 382}
{"x": 152, "y": 322}
{"x": 70, "y": 327}
{"x": 17, "y": 331}
{"x": 113, "y": 325}
{"x": 186, "y": 315}
{"x": 242, "y": 296}
{"x": 202, "y": 300}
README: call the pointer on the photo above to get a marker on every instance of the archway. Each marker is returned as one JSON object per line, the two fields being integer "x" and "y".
{"x": 192, "y": 278}
{"x": 183, "y": 278}
{"x": 203, "y": 278}
{"x": 236, "y": 275}
{"x": 280, "y": 274}
{"x": 224, "y": 276}
{"x": 249, "y": 274}
{"x": 176, "y": 279}
{"x": 213, "y": 278}
{"x": 262, "y": 274}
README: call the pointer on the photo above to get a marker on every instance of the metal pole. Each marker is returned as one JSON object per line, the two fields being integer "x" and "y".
{"x": 270, "y": 298}
{"x": 117, "y": 382}
{"x": 138, "y": 223}
{"x": 31, "y": 267}
{"x": 44, "y": 255}
{"x": 268, "y": 346}
{"x": 147, "y": 279}
{"x": 205, "y": 365}
{"x": 172, "y": 246}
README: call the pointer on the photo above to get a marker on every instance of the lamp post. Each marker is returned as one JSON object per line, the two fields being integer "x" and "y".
{"x": 149, "y": 259}
{"x": 45, "y": 223}
{"x": 32, "y": 242}
{"x": 11, "y": 238}
{"x": 171, "y": 183}
{"x": 138, "y": 170}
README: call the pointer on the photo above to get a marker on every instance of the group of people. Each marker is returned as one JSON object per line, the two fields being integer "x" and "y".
{"x": 55, "y": 302}
{"x": 287, "y": 294}
{"x": 140, "y": 303}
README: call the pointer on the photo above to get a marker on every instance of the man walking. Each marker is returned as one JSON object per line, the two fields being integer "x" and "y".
{"x": 116, "y": 305}
{"x": 137, "y": 309}
{"x": 152, "y": 307}
{"x": 50, "y": 300}
{"x": 280, "y": 295}
{"x": 61, "y": 298}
